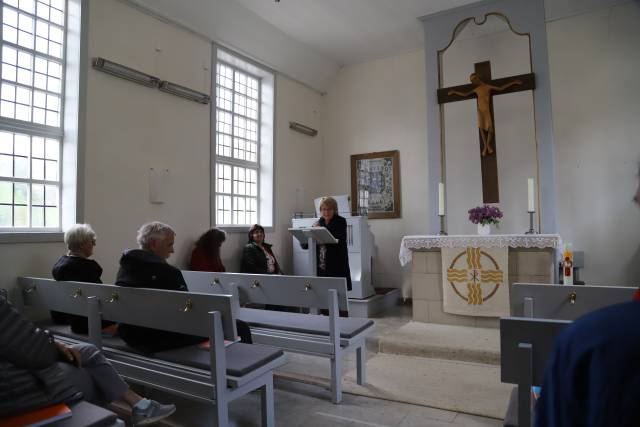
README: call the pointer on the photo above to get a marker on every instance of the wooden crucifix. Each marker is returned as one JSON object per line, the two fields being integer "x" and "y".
{"x": 483, "y": 88}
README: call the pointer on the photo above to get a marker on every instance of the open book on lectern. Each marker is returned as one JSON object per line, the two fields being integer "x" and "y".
{"x": 319, "y": 234}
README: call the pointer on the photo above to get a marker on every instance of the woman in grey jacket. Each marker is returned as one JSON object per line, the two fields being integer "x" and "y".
{"x": 38, "y": 371}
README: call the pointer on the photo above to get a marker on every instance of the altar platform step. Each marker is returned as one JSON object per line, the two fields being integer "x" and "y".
{"x": 383, "y": 300}
{"x": 447, "y": 342}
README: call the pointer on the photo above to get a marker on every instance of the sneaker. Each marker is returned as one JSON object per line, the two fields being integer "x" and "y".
{"x": 154, "y": 413}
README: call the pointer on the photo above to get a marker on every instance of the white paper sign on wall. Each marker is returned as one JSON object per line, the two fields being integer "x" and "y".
{"x": 158, "y": 180}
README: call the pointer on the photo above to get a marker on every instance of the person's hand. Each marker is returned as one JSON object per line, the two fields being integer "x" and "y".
{"x": 316, "y": 224}
{"x": 70, "y": 354}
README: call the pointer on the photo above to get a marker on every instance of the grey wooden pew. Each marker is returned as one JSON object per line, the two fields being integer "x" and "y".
{"x": 551, "y": 303}
{"x": 327, "y": 336}
{"x": 217, "y": 376}
{"x": 564, "y": 302}
{"x": 525, "y": 347}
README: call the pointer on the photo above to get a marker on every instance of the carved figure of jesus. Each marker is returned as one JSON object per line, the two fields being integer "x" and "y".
{"x": 483, "y": 94}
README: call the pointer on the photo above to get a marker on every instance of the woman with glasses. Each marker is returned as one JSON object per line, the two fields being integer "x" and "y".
{"x": 76, "y": 266}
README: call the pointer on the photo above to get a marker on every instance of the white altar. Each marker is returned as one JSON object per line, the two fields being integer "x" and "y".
{"x": 531, "y": 259}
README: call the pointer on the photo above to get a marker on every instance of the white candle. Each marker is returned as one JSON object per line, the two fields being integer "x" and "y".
{"x": 531, "y": 192}
{"x": 441, "y": 199}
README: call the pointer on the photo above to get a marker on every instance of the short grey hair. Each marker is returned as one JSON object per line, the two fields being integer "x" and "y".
{"x": 153, "y": 230}
{"x": 78, "y": 235}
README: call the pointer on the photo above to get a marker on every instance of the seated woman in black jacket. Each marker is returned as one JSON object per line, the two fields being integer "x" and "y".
{"x": 38, "y": 371}
{"x": 76, "y": 266}
{"x": 257, "y": 256}
{"x": 147, "y": 267}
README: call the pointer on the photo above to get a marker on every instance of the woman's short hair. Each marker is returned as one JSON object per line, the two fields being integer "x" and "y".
{"x": 153, "y": 230}
{"x": 329, "y": 202}
{"x": 253, "y": 229}
{"x": 211, "y": 241}
{"x": 78, "y": 235}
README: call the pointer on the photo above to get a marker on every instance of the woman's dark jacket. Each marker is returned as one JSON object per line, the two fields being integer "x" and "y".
{"x": 144, "y": 269}
{"x": 254, "y": 260}
{"x": 29, "y": 375}
{"x": 76, "y": 269}
{"x": 337, "y": 255}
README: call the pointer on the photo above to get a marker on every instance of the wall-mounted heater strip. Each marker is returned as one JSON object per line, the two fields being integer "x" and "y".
{"x": 184, "y": 92}
{"x": 124, "y": 72}
{"x": 302, "y": 129}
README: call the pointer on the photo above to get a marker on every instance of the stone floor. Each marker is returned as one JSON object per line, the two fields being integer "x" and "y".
{"x": 449, "y": 342}
{"x": 303, "y": 405}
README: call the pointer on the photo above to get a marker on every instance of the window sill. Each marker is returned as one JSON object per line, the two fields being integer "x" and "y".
{"x": 31, "y": 237}
{"x": 241, "y": 228}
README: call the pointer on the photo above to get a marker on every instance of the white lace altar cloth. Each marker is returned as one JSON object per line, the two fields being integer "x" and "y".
{"x": 417, "y": 243}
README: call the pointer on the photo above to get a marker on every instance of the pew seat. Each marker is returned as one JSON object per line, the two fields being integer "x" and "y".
{"x": 329, "y": 336}
{"x": 241, "y": 358}
{"x": 303, "y": 323}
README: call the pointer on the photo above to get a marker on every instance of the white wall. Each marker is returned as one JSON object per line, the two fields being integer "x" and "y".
{"x": 594, "y": 60}
{"x": 380, "y": 106}
{"x": 514, "y": 140}
{"x": 235, "y": 26}
{"x": 595, "y": 63}
{"x": 27, "y": 259}
{"x": 131, "y": 128}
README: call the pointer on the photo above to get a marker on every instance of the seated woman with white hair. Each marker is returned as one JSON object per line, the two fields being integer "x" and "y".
{"x": 77, "y": 267}
{"x": 147, "y": 267}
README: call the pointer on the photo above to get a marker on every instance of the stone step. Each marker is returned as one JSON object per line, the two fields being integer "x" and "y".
{"x": 448, "y": 342}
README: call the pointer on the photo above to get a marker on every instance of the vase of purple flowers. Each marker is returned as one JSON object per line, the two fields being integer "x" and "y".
{"x": 484, "y": 216}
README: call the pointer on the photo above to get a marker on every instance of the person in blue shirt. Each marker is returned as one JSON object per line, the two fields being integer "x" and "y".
{"x": 593, "y": 375}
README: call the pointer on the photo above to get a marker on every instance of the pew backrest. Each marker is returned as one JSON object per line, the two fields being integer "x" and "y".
{"x": 566, "y": 302}
{"x": 541, "y": 334}
{"x": 292, "y": 291}
{"x": 182, "y": 312}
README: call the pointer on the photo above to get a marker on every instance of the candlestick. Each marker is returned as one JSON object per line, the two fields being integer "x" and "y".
{"x": 531, "y": 230}
{"x": 530, "y": 195}
{"x": 441, "y": 199}
{"x": 442, "y": 230}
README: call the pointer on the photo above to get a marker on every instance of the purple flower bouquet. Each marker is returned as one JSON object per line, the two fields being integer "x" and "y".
{"x": 485, "y": 215}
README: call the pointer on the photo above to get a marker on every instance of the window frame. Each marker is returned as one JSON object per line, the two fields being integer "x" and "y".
{"x": 71, "y": 130}
{"x": 232, "y": 161}
{"x": 265, "y": 216}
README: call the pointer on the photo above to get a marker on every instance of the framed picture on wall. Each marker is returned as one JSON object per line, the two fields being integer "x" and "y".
{"x": 375, "y": 184}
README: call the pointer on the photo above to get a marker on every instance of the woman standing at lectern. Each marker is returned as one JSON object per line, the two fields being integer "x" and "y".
{"x": 333, "y": 259}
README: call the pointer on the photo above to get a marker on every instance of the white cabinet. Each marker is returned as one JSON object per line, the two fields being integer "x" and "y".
{"x": 359, "y": 245}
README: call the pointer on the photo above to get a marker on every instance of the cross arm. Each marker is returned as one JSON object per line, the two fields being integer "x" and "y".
{"x": 528, "y": 83}
{"x": 444, "y": 97}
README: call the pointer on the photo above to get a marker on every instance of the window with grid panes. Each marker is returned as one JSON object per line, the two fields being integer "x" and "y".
{"x": 237, "y": 146}
{"x": 31, "y": 107}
